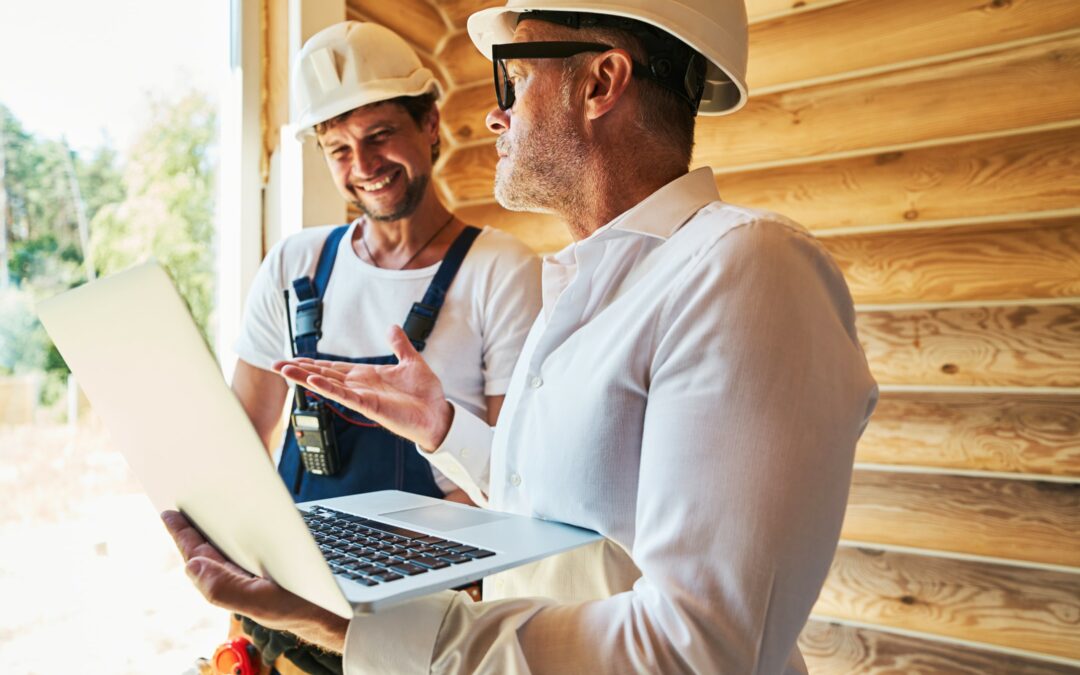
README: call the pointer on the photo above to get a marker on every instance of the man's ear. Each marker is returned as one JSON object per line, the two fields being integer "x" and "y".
{"x": 431, "y": 125}
{"x": 608, "y": 77}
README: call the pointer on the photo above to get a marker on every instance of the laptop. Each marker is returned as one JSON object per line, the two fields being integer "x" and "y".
{"x": 149, "y": 375}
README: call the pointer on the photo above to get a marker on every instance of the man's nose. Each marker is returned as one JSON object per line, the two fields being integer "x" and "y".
{"x": 498, "y": 121}
{"x": 365, "y": 163}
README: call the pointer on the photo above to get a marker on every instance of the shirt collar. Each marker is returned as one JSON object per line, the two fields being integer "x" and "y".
{"x": 664, "y": 211}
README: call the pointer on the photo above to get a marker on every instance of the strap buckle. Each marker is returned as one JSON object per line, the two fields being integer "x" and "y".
{"x": 420, "y": 323}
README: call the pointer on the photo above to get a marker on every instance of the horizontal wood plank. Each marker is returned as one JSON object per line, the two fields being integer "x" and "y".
{"x": 464, "y": 63}
{"x": 1001, "y": 518}
{"x": 1027, "y": 434}
{"x": 1024, "y": 346}
{"x": 415, "y": 20}
{"x": 803, "y": 46}
{"x": 1019, "y": 261}
{"x": 835, "y": 649}
{"x": 469, "y": 173}
{"x": 1028, "y": 609}
{"x": 458, "y": 11}
{"x": 1021, "y": 87}
{"x": 465, "y": 110}
{"x": 1015, "y": 174}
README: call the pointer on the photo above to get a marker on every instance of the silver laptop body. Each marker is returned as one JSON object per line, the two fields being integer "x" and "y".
{"x": 149, "y": 375}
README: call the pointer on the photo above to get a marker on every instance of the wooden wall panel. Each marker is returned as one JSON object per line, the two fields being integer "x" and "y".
{"x": 1014, "y": 174}
{"x": 1031, "y": 260}
{"x": 994, "y": 604}
{"x": 1012, "y": 519}
{"x": 469, "y": 173}
{"x": 834, "y": 649}
{"x": 1024, "y": 346}
{"x": 1031, "y": 85}
{"x": 415, "y": 20}
{"x": 804, "y": 46}
{"x": 466, "y": 109}
{"x": 985, "y": 432}
{"x": 464, "y": 62}
{"x": 458, "y": 11}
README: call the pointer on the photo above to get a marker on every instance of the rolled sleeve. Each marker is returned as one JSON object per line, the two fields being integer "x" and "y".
{"x": 465, "y": 454}
{"x": 398, "y": 640}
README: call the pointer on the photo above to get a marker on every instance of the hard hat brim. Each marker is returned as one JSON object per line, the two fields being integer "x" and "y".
{"x": 496, "y": 25}
{"x": 372, "y": 93}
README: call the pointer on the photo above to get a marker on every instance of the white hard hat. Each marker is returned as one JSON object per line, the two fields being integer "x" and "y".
{"x": 715, "y": 28}
{"x": 352, "y": 64}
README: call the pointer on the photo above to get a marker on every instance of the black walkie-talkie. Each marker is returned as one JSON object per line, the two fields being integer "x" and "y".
{"x": 311, "y": 421}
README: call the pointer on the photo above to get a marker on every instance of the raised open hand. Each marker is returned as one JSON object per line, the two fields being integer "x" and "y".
{"x": 406, "y": 398}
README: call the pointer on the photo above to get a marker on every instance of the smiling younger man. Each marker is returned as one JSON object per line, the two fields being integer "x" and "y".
{"x": 693, "y": 388}
{"x": 467, "y": 296}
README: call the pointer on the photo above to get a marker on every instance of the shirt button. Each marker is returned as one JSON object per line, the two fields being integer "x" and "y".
{"x": 536, "y": 382}
{"x": 464, "y": 453}
{"x": 515, "y": 480}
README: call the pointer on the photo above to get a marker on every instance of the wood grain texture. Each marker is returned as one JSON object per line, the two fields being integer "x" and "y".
{"x": 1035, "y": 610}
{"x": 465, "y": 110}
{"x": 993, "y": 346}
{"x": 1003, "y": 262}
{"x": 834, "y": 649}
{"x": 415, "y": 20}
{"x": 1025, "y": 86}
{"x": 469, "y": 173}
{"x": 1015, "y": 174}
{"x": 1011, "y": 519}
{"x": 879, "y": 33}
{"x": 541, "y": 232}
{"x": 1029, "y": 434}
{"x": 1022, "y": 173}
{"x": 458, "y": 11}
{"x": 464, "y": 63}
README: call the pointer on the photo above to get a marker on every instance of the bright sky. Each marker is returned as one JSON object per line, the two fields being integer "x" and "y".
{"x": 82, "y": 69}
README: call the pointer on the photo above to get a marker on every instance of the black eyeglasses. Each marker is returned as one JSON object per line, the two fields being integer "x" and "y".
{"x": 504, "y": 87}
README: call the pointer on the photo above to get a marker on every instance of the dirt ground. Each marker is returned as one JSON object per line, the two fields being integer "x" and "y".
{"x": 89, "y": 580}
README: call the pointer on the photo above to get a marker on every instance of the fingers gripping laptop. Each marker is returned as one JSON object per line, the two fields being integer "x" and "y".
{"x": 150, "y": 377}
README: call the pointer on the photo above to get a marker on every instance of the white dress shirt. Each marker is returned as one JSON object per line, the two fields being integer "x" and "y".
{"x": 693, "y": 390}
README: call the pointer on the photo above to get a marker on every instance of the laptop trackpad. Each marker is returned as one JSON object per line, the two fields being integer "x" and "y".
{"x": 444, "y": 517}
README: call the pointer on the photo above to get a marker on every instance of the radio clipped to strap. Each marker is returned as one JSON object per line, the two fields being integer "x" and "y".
{"x": 308, "y": 323}
{"x": 419, "y": 324}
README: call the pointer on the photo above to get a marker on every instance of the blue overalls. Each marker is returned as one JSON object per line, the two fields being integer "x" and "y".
{"x": 371, "y": 458}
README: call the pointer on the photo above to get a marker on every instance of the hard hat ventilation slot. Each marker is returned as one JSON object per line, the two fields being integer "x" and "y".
{"x": 326, "y": 71}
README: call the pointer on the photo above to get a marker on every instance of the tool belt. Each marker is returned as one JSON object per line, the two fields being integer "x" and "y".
{"x": 307, "y": 658}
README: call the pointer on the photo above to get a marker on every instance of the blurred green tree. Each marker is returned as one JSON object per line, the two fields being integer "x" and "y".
{"x": 158, "y": 201}
{"x": 168, "y": 208}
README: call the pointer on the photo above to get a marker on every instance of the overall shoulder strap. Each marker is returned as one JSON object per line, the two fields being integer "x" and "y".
{"x": 309, "y": 294}
{"x": 421, "y": 320}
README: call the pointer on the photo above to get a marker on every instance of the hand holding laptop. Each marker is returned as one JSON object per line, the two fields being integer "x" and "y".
{"x": 406, "y": 398}
{"x": 226, "y": 585}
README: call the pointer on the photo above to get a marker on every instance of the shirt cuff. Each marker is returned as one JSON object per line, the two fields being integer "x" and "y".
{"x": 399, "y": 640}
{"x": 465, "y": 454}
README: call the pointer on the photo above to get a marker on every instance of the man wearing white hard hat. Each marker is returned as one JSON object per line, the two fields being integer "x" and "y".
{"x": 466, "y": 297}
{"x": 693, "y": 388}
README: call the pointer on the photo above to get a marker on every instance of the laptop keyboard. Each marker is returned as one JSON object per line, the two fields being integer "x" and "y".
{"x": 370, "y": 553}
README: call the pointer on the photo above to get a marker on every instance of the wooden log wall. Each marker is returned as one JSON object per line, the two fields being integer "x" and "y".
{"x": 934, "y": 147}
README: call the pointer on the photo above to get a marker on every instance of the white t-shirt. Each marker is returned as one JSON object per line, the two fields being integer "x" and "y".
{"x": 490, "y": 306}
